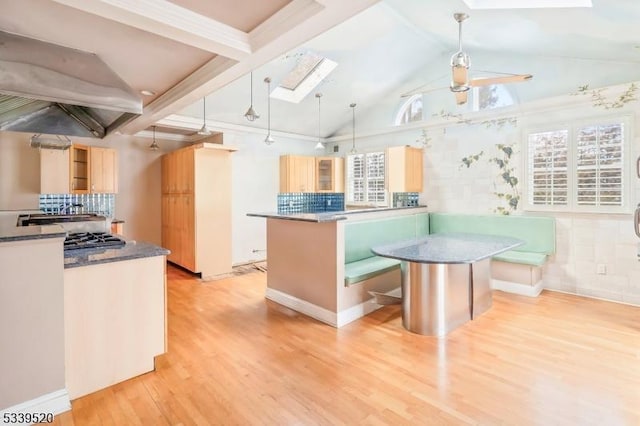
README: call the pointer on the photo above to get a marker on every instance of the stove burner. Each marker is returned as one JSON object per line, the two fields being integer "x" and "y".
{"x": 85, "y": 240}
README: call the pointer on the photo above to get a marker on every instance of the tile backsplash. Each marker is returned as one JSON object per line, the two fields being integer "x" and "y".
{"x": 309, "y": 202}
{"x": 405, "y": 199}
{"x": 102, "y": 204}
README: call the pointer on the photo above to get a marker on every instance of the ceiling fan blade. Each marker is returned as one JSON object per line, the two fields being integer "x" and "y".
{"x": 502, "y": 79}
{"x": 461, "y": 97}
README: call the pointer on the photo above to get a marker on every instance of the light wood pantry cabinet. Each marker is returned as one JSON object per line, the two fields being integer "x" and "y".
{"x": 329, "y": 174}
{"x": 297, "y": 173}
{"x": 196, "y": 208}
{"x": 404, "y": 169}
{"x": 81, "y": 169}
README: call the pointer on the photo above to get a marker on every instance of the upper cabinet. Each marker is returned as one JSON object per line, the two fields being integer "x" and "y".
{"x": 79, "y": 170}
{"x": 104, "y": 170}
{"x": 297, "y": 173}
{"x": 404, "y": 169}
{"x": 329, "y": 174}
{"x": 54, "y": 171}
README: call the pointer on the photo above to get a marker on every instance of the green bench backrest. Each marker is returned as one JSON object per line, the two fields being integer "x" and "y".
{"x": 539, "y": 233}
{"x": 359, "y": 237}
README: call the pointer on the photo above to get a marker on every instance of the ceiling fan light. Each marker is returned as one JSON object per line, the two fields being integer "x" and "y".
{"x": 460, "y": 59}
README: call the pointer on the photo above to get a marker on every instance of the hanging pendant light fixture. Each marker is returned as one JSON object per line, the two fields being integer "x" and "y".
{"x": 268, "y": 140}
{"x": 251, "y": 114}
{"x": 204, "y": 130}
{"x": 154, "y": 145}
{"x": 353, "y": 130}
{"x": 319, "y": 145}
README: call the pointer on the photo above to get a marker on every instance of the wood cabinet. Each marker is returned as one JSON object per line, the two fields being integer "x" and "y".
{"x": 404, "y": 166}
{"x": 104, "y": 170}
{"x": 329, "y": 174}
{"x": 297, "y": 173}
{"x": 196, "y": 208}
{"x": 54, "y": 171}
{"x": 81, "y": 169}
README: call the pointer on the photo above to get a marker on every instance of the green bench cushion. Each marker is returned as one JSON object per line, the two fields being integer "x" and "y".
{"x": 539, "y": 233}
{"x": 527, "y": 258}
{"x": 361, "y": 270}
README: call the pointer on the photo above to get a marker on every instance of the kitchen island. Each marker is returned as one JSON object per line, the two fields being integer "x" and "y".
{"x": 99, "y": 315}
{"x": 306, "y": 263}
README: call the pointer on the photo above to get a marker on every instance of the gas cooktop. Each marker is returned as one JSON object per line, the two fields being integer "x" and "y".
{"x": 85, "y": 240}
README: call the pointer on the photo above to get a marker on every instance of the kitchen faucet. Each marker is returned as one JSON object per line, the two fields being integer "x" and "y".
{"x": 66, "y": 208}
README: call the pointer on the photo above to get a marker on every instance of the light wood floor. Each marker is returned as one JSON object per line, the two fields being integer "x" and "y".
{"x": 236, "y": 358}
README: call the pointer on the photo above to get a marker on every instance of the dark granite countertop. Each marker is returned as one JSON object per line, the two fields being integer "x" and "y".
{"x": 448, "y": 248}
{"x": 326, "y": 216}
{"x": 10, "y": 232}
{"x": 131, "y": 250}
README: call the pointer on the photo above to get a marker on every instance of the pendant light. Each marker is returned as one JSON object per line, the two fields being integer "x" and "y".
{"x": 154, "y": 145}
{"x": 353, "y": 130}
{"x": 251, "y": 114}
{"x": 204, "y": 130}
{"x": 268, "y": 140}
{"x": 319, "y": 145}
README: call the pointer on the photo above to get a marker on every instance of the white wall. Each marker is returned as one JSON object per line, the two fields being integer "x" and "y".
{"x": 582, "y": 240}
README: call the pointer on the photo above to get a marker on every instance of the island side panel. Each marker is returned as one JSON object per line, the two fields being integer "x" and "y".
{"x": 302, "y": 264}
{"x": 31, "y": 321}
{"x": 114, "y": 322}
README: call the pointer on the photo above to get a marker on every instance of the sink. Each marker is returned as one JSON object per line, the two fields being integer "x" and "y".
{"x": 47, "y": 219}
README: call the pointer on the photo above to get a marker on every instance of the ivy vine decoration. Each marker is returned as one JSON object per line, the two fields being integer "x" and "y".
{"x": 424, "y": 139}
{"x": 499, "y": 123}
{"x": 506, "y": 176}
{"x": 468, "y": 161}
{"x": 598, "y": 99}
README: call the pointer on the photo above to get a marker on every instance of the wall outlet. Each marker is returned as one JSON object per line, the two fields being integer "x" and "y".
{"x": 601, "y": 269}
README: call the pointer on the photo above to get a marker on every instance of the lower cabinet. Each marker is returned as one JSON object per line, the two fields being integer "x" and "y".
{"x": 114, "y": 322}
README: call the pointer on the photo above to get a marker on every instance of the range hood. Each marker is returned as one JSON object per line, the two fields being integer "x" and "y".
{"x": 47, "y": 88}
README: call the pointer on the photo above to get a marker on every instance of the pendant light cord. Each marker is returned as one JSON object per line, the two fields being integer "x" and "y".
{"x": 353, "y": 128}
{"x": 319, "y": 95}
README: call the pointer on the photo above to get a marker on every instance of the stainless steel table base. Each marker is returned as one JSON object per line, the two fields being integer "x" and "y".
{"x": 438, "y": 297}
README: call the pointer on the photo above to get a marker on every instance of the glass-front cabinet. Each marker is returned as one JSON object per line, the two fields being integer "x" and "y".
{"x": 79, "y": 169}
{"x": 329, "y": 174}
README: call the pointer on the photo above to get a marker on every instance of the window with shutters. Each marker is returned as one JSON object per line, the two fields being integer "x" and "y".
{"x": 365, "y": 179}
{"x": 579, "y": 168}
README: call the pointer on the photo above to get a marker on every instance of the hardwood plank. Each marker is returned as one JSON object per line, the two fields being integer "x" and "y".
{"x": 236, "y": 358}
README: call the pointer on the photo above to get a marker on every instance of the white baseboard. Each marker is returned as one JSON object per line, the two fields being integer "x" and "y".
{"x": 302, "y": 306}
{"x": 516, "y": 288}
{"x": 55, "y": 403}
{"x": 321, "y": 314}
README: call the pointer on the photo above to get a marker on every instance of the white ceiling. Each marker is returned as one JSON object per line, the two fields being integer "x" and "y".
{"x": 186, "y": 49}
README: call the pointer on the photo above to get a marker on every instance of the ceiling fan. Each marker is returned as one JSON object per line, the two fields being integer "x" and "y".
{"x": 460, "y": 63}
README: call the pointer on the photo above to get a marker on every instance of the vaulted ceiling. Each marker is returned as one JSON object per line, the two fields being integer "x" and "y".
{"x": 184, "y": 50}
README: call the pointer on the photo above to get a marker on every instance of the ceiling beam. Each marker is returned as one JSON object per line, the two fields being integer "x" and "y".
{"x": 171, "y": 21}
{"x": 305, "y": 19}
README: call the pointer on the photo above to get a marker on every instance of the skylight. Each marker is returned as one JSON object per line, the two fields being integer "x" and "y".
{"x": 310, "y": 70}
{"x": 525, "y": 4}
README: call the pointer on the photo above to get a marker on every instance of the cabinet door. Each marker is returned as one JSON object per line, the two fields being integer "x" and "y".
{"x": 414, "y": 170}
{"x": 97, "y": 165}
{"x": 338, "y": 174}
{"x": 308, "y": 174}
{"x": 186, "y": 171}
{"x": 109, "y": 171}
{"x": 187, "y": 234}
{"x": 79, "y": 169}
{"x": 54, "y": 171}
{"x": 325, "y": 174}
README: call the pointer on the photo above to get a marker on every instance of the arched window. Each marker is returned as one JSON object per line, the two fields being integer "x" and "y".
{"x": 410, "y": 111}
{"x": 490, "y": 97}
